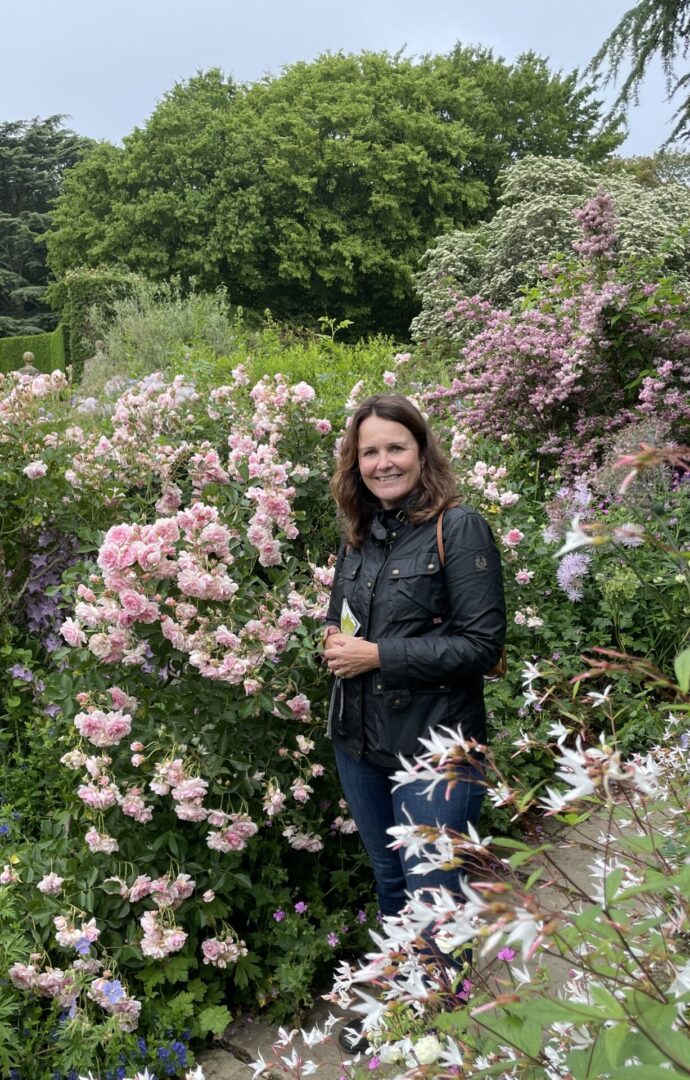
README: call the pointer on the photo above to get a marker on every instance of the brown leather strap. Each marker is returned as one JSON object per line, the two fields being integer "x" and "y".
{"x": 439, "y": 538}
{"x": 439, "y": 533}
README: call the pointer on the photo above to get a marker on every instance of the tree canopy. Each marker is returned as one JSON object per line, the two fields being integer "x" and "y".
{"x": 649, "y": 29}
{"x": 34, "y": 155}
{"x": 315, "y": 192}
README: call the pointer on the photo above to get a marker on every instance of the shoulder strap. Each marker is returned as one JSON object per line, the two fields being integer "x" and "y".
{"x": 439, "y": 533}
{"x": 439, "y": 538}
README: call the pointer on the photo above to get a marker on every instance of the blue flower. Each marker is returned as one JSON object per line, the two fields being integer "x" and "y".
{"x": 113, "y": 990}
{"x": 180, "y": 1050}
{"x": 4, "y": 830}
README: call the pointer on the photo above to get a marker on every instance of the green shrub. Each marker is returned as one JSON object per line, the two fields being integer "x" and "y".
{"x": 154, "y": 327}
{"x": 48, "y": 350}
{"x": 85, "y": 298}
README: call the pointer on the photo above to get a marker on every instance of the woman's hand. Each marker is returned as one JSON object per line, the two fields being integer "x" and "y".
{"x": 349, "y": 656}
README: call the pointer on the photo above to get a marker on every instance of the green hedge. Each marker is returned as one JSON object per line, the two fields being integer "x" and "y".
{"x": 48, "y": 350}
{"x": 76, "y": 295}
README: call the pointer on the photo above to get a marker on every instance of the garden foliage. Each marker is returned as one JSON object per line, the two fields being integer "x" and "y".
{"x": 166, "y": 547}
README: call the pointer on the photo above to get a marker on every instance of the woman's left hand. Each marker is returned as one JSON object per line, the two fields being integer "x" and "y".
{"x": 349, "y": 656}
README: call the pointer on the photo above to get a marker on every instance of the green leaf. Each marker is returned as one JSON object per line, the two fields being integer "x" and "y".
{"x": 614, "y": 1038}
{"x": 681, "y": 666}
{"x": 213, "y": 1020}
{"x": 610, "y": 1006}
{"x": 611, "y": 885}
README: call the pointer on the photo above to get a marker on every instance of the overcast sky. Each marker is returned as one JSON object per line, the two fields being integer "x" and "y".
{"x": 105, "y": 63}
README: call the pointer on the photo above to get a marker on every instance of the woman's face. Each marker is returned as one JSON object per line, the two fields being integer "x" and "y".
{"x": 389, "y": 461}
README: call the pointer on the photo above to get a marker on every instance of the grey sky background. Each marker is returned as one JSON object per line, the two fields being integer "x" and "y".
{"x": 105, "y": 63}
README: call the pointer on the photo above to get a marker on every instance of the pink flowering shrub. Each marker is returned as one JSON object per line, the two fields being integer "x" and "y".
{"x": 194, "y": 798}
{"x": 594, "y": 349}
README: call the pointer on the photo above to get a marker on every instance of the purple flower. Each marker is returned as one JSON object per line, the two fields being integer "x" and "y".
{"x": 361, "y": 916}
{"x": 571, "y": 570}
{"x": 279, "y": 915}
{"x": 83, "y": 946}
{"x": 18, "y": 671}
{"x": 506, "y": 954}
{"x": 300, "y": 907}
{"x": 333, "y": 940}
{"x": 464, "y": 994}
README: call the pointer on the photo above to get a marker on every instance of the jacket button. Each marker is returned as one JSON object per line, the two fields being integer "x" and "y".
{"x": 393, "y": 535}
{"x": 431, "y": 566}
{"x": 442, "y": 687}
{"x": 368, "y": 584}
{"x": 379, "y": 686}
{"x": 396, "y": 572}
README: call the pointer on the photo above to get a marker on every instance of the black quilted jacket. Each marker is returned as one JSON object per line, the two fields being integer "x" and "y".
{"x": 439, "y": 629}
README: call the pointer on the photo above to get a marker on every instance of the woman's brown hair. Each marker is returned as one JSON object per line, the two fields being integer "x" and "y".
{"x": 436, "y": 488}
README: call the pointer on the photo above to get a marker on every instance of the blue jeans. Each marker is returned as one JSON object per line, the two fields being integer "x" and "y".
{"x": 375, "y": 807}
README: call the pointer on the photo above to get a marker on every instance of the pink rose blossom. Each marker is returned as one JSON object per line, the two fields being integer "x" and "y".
{"x": 101, "y": 842}
{"x": 50, "y": 885}
{"x": 73, "y": 633}
{"x": 512, "y": 538}
{"x": 299, "y": 706}
{"x": 35, "y": 469}
{"x": 523, "y": 577}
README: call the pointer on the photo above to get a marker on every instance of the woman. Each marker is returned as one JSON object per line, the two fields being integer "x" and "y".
{"x": 409, "y": 635}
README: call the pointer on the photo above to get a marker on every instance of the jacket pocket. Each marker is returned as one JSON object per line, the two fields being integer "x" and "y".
{"x": 417, "y": 588}
{"x": 408, "y": 716}
{"x": 349, "y": 572}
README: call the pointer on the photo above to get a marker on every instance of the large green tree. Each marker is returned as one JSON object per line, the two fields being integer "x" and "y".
{"x": 33, "y": 158}
{"x": 651, "y": 29}
{"x": 316, "y": 192}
